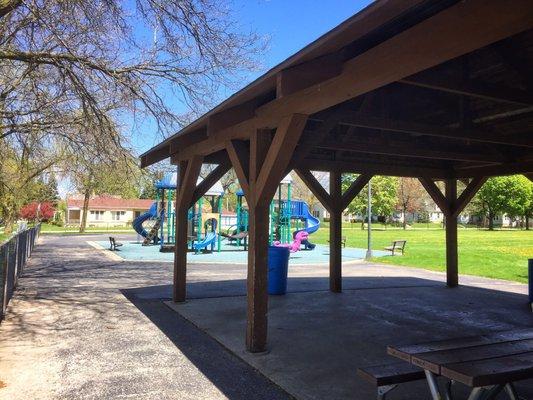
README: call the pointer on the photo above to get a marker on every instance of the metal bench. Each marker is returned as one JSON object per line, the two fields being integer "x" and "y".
{"x": 343, "y": 241}
{"x": 114, "y": 245}
{"x": 389, "y": 376}
{"x": 397, "y": 245}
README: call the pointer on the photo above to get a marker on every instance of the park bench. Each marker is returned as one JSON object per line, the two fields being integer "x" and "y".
{"x": 389, "y": 376}
{"x": 397, "y": 245}
{"x": 114, "y": 245}
{"x": 343, "y": 241}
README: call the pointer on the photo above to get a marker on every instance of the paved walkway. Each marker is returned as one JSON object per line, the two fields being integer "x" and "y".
{"x": 72, "y": 334}
{"x": 84, "y": 326}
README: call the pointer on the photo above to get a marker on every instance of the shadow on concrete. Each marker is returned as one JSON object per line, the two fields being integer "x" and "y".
{"x": 318, "y": 339}
{"x": 233, "y": 377}
{"x": 237, "y": 287}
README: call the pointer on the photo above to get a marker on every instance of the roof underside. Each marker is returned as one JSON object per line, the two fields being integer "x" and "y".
{"x": 408, "y": 88}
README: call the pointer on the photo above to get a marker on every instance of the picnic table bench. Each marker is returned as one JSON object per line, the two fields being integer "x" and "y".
{"x": 397, "y": 245}
{"x": 488, "y": 364}
{"x": 388, "y": 376}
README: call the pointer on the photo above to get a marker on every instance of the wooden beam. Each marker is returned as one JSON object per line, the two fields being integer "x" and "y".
{"x": 231, "y": 116}
{"x": 315, "y": 187}
{"x": 208, "y": 182}
{"x": 239, "y": 156}
{"x": 385, "y": 147}
{"x": 435, "y": 193}
{"x": 188, "y": 174}
{"x": 354, "y": 189}
{"x": 471, "y": 88}
{"x": 468, "y": 194}
{"x": 335, "y": 233}
{"x": 309, "y": 73}
{"x": 416, "y": 128}
{"x": 279, "y": 155}
{"x": 452, "y": 258}
{"x": 372, "y": 167}
{"x": 257, "y": 294}
{"x": 524, "y": 167}
{"x": 314, "y": 138}
{"x": 455, "y": 31}
{"x": 155, "y": 155}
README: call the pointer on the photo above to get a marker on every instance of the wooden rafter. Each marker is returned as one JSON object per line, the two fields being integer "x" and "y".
{"x": 213, "y": 177}
{"x": 468, "y": 194}
{"x": 401, "y": 126}
{"x": 279, "y": 155}
{"x": 315, "y": 187}
{"x": 354, "y": 189}
{"x": 471, "y": 88}
{"x": 436, "y": 194}
{"x": 420, "y": 151}
{"x": 240, "y": 159}
{"x": 186, "y": 188}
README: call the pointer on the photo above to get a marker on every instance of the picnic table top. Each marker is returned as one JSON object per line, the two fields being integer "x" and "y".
{"x": 491, "y": 359}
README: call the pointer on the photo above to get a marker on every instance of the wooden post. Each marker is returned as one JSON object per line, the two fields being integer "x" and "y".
{"x": 335, "y": 233}
{"x": 188, "y": 172}
{"x": 452, "y": 262}
{"x": 257, "y": 279}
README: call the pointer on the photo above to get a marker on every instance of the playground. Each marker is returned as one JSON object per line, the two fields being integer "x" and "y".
{"x": 292, "y": 225}
{"x": 131, "y": 250}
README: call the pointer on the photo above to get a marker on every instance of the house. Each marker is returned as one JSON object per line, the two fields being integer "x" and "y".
{"x": 106, "y": 210}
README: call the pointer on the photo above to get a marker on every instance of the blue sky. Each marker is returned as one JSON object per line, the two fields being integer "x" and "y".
{"x": 290, "y": 25}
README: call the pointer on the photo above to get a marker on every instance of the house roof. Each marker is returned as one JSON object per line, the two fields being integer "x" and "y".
{"x": 111, "y": 203}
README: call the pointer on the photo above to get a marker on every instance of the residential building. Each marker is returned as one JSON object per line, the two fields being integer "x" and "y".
{"x": 106, "y": 211}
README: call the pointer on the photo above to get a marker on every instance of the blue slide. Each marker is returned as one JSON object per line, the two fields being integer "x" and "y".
{"x": 138, "y": 222}
{"x": 301, "y": 210}
{"x": 209, "y": 239}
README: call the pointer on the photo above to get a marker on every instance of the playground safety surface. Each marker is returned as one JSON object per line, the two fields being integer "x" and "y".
{"x": 134, "y": 251}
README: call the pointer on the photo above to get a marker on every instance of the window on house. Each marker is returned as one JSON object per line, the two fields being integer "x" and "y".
{"x": 117, "y": 215}
{"x": 97, "y": 215}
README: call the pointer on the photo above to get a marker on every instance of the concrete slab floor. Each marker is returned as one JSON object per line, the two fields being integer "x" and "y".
{"x": 318, "y": 339}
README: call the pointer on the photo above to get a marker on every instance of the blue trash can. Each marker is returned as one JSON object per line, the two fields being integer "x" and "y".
{"x": 531, "y": 281}
{"x": 278, "y": 267}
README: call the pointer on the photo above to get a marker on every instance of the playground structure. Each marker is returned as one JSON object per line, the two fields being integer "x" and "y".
{"x": 291, "y": 221}
{"x": 204, "y": 228}
{"x": 288, "y": 218}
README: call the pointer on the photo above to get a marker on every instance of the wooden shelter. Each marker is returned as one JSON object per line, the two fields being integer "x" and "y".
{"x": 441, "y": 90}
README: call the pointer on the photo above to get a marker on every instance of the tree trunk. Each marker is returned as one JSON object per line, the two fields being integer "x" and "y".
{"x": 491, "y": 221}
{"x": 404, "y": 222}
{"x": 527, "y": 222}
{"x": 83, "y": 222}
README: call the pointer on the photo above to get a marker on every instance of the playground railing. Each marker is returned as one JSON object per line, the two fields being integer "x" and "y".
{"x": 14, "y": 254}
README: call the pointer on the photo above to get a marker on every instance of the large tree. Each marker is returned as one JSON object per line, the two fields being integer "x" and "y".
{"x": 77, "y": 76}
{"x": 509, "y": 195}
{"x": 410, "y": 195}
{"x": 383, "y": 196}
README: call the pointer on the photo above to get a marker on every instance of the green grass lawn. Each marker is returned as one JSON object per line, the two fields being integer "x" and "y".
{"x": 501, "y": 254}
{"x": 49, "y": 228}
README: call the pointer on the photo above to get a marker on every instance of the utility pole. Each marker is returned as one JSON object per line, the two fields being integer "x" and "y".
{"x": 369, "y": 219}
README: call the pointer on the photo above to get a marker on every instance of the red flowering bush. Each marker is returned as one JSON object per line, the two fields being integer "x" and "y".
{"x": 37, "y": 211}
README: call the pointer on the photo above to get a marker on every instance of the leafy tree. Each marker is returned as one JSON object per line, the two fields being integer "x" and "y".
{"x": 410, "y": 196}
{"x": 505, "y": 194}
{"x": 384, "y": 197}
{"x": 38, "y": 211}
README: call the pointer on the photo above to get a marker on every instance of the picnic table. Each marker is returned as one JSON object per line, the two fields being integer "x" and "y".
{"x": 489, "y": 364}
